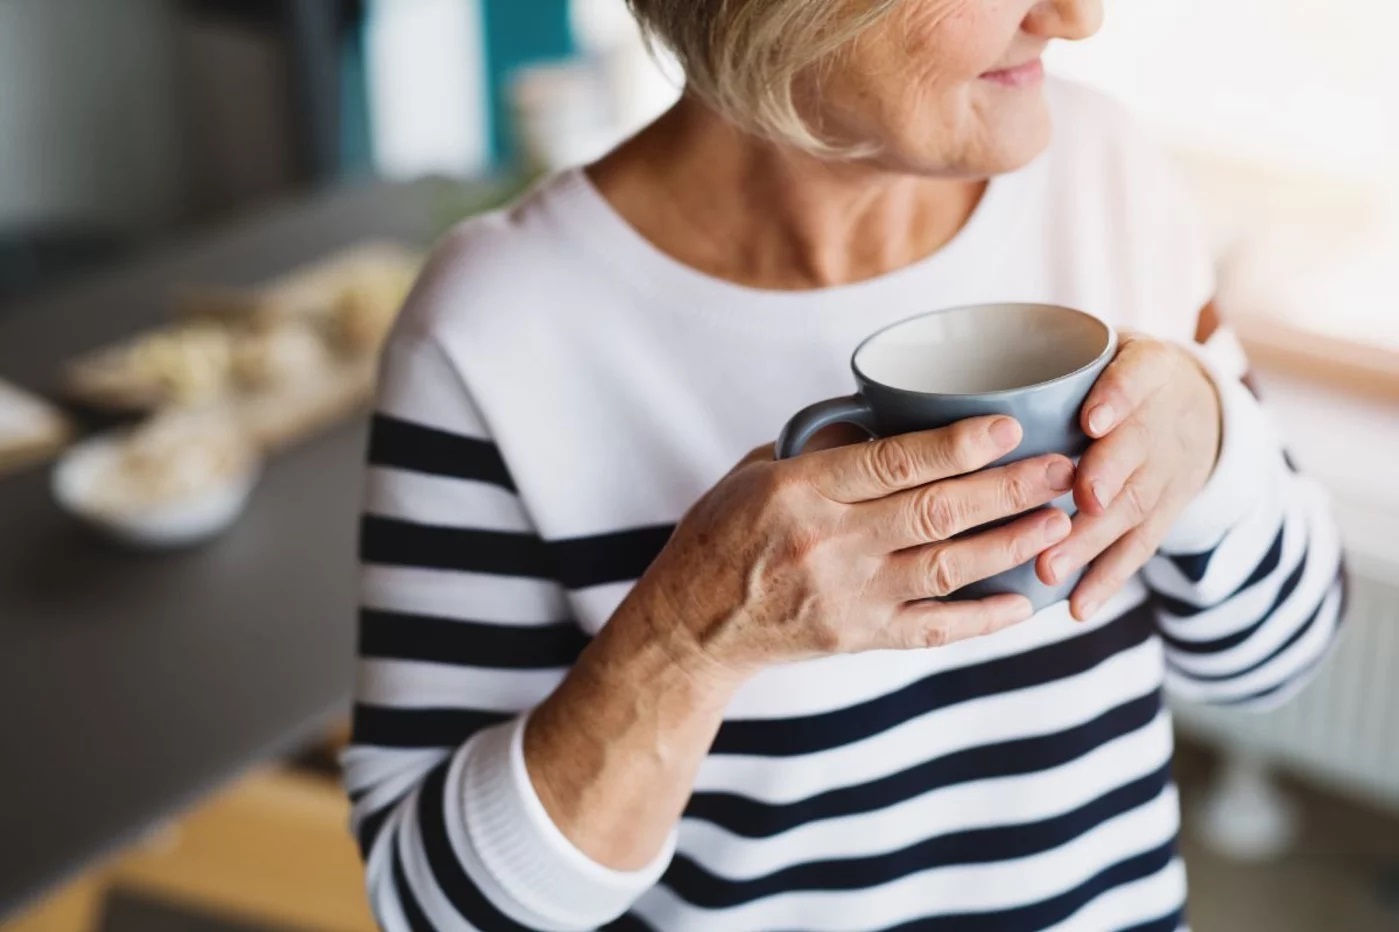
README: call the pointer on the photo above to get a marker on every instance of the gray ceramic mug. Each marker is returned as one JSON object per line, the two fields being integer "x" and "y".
{"x": 1033, "y": 362}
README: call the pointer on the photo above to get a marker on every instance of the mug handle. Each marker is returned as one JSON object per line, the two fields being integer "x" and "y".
{"x": 852, "y": 409}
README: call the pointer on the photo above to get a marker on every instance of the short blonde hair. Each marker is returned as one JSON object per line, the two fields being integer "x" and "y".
{"x": 744, "y": 57}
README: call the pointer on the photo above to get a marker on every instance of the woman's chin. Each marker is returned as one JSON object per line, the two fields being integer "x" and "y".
{"x": 1015, "y": 139}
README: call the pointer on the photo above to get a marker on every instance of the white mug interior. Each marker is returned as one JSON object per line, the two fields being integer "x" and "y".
{"x": 983, "y": 348}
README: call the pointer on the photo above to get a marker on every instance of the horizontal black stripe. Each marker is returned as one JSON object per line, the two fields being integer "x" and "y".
{"x": 627, "y": 923}
{"x": 1053, "y": 911}
{"x": 393, "y": 542}
{"x": 1270, "y": 562}
{"x": 381, "y": 726}
{"x": 1001, "y": 843}
{"x": 1277, "y": 652}
{"x": 1193, "y": 566}
{"x": 1307, "y": 671}
{"x": 581, "y": 562}
{"x": 750, "y": 818}
{"x": 447, "y": 871}
{"x": 400, "y": 444}
{"x": 1230, "y": 641}
{"x": 575, "y": 563}
{"x": 399, "y": 636}
{"x": 811, "y": 733}
{"x": 1196, "y": 565}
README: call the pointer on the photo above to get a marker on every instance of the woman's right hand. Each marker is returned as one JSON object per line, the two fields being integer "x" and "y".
{"x": 841, "y": 550}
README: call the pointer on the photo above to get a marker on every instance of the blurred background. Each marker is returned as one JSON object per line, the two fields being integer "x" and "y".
{"x": 209, "y": 213}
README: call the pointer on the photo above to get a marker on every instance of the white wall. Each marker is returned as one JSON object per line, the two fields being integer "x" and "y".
{"x": 88, "y": 113}
{"x": 1306, "y": 84}
{"x": 428, "y": 110}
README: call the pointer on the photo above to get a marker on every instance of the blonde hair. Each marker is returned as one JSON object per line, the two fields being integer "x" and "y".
{"x": 745, "y": 57}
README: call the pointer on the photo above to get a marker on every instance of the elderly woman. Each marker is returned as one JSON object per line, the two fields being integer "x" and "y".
{"x": 611, "y": 679}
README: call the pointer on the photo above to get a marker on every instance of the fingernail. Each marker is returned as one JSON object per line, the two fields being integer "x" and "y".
{"x": 1061, "y": 475}
{"x": 1006, "y": 432}
{"x": 1100, "y": 495}
{"x": 1088, "y": 607}
{"x": 1058, "y": 568}
{"x": 1100, "y": 419}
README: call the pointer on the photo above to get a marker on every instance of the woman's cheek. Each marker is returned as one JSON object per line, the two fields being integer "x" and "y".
{"x": 957, "y": 41}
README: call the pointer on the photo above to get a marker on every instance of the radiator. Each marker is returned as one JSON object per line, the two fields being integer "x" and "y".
{"x": 1343, "y": 730}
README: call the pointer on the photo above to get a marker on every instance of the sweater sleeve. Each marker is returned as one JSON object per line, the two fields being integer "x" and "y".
{"x": 463, "y": 630}
{"x": 1247, "y": 588}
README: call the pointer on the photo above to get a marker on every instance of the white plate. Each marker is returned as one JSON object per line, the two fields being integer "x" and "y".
{"x": 174, "y": 524}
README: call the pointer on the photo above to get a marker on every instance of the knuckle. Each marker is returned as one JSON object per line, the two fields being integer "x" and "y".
{"x": 980, "y": 626}
{"x": 1137, "y": 434}
{"x": 762, "y": 454}
{"x": 1115, "y": 382}
{"x": 803, "y": 545}
{"x": 938, "y": 516}
{"x": 1154, "y": 349}
{"x": 937, "y": 635}
{"x": 786, "y": 492}
{"x": 943, "y": 572}
{"x": 828, "y": 638}
{"x": 1018, "y": 490}
{"x": 772, "y": 481}
{"x": 968, "y": 446}
{"x": 1019, "y": 548}
{"x": 891, "y": 464}
{"x": 1135, "y": 501}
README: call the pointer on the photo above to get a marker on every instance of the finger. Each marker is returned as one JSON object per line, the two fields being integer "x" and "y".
{"x": 942, "y": 510}
{"x": 1104, "y": 470}
{"x": 937, "y": 624}
{"x": 1142, "y": 366}
{"x": 938, "y": 570}
{"x": 882, "y": 467}
{"x": 1093, "y": 534}
{"x": 1111, "y": 571}
{"x": 762, "y": 454}
{"x": 755, "y": 456}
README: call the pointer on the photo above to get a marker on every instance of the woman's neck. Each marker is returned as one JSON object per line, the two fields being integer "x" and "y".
{"x": 746, "y": 210}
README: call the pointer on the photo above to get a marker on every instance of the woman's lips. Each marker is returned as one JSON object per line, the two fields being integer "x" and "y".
{"x": 1027, "y": 75}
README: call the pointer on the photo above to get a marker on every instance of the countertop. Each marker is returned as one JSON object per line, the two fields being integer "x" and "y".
{"x": 132, "y": 684}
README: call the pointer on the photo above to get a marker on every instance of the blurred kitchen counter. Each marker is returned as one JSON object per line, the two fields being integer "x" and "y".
{"x": 134, "y": 685}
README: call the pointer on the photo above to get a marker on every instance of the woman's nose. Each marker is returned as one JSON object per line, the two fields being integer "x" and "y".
{"x": 1065, "y": 19}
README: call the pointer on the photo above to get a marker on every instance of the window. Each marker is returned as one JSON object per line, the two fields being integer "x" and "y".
{"x": 1285, "y": 115}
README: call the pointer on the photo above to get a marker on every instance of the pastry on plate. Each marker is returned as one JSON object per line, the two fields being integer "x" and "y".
{"x": 180, "y": 477}
{"x": 187, "y": 364}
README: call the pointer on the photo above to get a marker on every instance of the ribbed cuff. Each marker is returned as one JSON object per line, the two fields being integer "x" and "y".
{"x": 1249, "y": 458}
{"x": 522, "y": 849}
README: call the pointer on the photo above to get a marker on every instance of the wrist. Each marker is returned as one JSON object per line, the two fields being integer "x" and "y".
{"x": 1244, "y": 472}
{"x": 646, "y": 640}
{"x": 1209, "y": 392}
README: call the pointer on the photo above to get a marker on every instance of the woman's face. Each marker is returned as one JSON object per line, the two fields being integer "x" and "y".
{"x": 950, "y": 87}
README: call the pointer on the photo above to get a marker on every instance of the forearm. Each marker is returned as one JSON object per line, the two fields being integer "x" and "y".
{"x": 613, "y": 753}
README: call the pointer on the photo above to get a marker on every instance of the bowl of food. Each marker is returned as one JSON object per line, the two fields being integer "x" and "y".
{"x": 177, "y": 479}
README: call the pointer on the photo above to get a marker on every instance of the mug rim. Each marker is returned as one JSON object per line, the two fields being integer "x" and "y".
{"x": 1108, "y": 351}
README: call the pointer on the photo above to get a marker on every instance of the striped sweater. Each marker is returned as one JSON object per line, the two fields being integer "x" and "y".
{"x": 558, "y": 393}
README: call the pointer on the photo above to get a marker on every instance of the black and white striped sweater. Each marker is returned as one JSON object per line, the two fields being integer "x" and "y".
{"x": 558, "y": 393}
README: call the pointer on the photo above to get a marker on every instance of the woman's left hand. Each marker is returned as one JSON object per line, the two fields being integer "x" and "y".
{"x": 1156, "y": 421}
